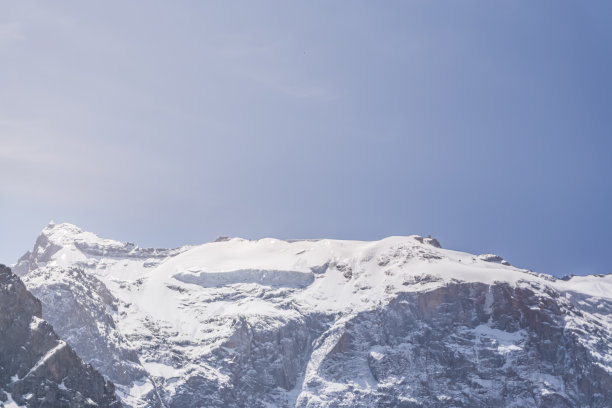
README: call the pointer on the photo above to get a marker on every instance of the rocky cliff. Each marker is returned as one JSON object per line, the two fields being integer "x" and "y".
{"x": 37, "y": 369}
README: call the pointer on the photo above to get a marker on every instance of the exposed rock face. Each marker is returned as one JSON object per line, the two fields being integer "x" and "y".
{"x": 395, "y": 323}
{"x": 83, "y": 311}
{"x": 37, "y": 369}
{"x": 463, "y": 345}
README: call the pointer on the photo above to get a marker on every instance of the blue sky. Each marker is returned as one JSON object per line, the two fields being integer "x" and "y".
{"x": 485, "y": 124}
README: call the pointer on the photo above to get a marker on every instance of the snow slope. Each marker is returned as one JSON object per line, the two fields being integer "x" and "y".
{"x": 273, "y": 322}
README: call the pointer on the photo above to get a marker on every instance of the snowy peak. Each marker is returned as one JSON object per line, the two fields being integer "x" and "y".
{"x": 315, "y": 323}
{"x": 278, "y": 262}
{"x": 69, "y": 235}
{"x": 66, "y": 233}
{"x": 66, "y": 244}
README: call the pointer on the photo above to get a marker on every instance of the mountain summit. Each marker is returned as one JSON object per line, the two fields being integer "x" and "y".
{"x": 399, "y": 322}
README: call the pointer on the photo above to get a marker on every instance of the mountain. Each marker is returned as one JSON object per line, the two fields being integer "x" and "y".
{"x": 399, "y": 322}
{"x": 37, "y": 369}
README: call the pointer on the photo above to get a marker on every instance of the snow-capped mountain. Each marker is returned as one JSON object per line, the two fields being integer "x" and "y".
{"x": 398, "y": 322}
{"x": 37, "y": 369}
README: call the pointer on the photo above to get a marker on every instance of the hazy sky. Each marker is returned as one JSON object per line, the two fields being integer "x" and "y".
{"x": 486, "y": 124}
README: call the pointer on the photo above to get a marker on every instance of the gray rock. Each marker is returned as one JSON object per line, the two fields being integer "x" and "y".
{"x": 37, "y": 369}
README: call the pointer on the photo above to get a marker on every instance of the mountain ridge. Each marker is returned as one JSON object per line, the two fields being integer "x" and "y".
{"x": 249, "y": 323}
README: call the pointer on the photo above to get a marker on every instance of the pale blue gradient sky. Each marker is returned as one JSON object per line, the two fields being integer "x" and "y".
{"x": 485, "y": 124}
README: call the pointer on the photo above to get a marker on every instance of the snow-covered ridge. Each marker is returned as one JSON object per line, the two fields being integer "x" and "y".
{"x": 178, "y": 319}
{"x": 335, "y": 272}
{"x": 68, "y": 245}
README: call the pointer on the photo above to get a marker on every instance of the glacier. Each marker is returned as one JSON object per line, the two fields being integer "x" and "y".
{"x": 399, "y": 322}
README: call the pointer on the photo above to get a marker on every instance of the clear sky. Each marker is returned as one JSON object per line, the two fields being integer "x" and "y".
{"x": 487, "y": 124}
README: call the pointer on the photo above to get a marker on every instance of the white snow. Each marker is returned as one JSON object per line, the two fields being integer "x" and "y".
{"x": 161, "y": 370}
{"x": 132, "y": 394}
{"x": 35, "y": 323}
{"x": 10, "y": 403}
{"x": 506, "y": 342}
{"x": 595, "y": 286}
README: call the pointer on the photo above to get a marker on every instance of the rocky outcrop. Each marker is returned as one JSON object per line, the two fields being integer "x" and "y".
{"x": 83, "y": 314}
{"x": 463, "y": 345}
{"x": 494, "y": 259}
{"x": 37, "y": 369}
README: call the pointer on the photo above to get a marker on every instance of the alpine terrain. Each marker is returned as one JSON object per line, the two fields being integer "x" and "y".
{"x": 37, "y": 369}
{"x": 398, "y": 322}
